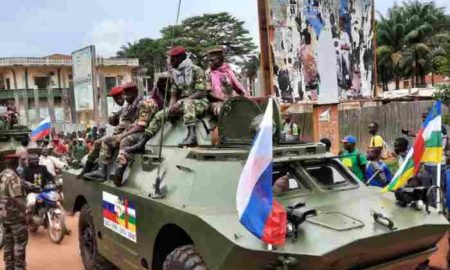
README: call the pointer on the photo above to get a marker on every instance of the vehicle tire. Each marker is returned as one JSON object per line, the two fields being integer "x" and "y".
{"x": 2, "y": 238}
{"x": 184, "y": 258}
{"x": 90, "y": 256}
{"x": 57, "y": 234}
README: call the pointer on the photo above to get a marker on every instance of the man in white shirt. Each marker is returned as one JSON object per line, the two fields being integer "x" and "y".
{"x": 51, "y": 163}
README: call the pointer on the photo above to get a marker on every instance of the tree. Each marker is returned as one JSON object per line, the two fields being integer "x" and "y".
{"x": 250, "y": 69}
{"x": 391, "y": 40}
{"x": 419, "y": 25}
{"x": 409, "y": 44}
{"x": 150, "y": 52}
{"x": 200, "y": 33}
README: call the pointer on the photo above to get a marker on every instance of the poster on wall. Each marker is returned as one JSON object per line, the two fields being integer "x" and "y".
{"x": 322, "y": 50}
{"x": 83, "y": 78}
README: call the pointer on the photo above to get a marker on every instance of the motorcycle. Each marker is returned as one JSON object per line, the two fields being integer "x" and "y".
{"x": 45, "y": 210}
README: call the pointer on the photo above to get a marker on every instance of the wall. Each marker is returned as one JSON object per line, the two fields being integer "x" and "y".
{"x": 392, "y": 117}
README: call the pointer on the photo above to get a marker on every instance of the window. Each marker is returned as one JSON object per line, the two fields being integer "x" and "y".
{"x": 41, "y": 82}
{"x": 281, "y": 170}
{"x": 326, "y": 175}
{"x": 110, "y": 82}
{"x": 8, "y": 84}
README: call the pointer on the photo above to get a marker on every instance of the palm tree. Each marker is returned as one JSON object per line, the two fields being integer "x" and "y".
{"x": 250, "y": 69}
{"x": 420, "y": 19}
{"x": 391, "y": 36}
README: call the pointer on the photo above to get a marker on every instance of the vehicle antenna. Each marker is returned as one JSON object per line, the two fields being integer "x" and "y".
{"x": 166, "y": 95}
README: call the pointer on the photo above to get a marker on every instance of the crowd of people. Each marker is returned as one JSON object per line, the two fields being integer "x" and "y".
{"x": 378, "y": 165}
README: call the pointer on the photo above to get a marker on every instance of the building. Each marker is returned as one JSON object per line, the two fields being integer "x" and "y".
{"x": 22, "y": 78}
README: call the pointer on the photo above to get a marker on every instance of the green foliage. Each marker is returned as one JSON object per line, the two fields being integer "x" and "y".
{"x": 443, "y": 94}
{"x": 411, "y": 42}
{"x": 150, "y": 52}
{"x": 197, "y": 34}
{"x": 200, "y": 33}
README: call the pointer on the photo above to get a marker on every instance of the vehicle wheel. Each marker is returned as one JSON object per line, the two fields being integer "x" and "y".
{"x": 2, "y": 240}
{"x": 58, "y": 230}
{"x": 33, "y": 227}
{"x": 184, "y": 258}
{"x": 92, "y": 260}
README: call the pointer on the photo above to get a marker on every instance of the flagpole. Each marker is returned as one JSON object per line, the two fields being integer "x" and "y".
{"x": 438, "y": 190}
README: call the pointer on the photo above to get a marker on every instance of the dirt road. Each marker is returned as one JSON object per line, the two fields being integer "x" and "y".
{"x": 42, "y": 254}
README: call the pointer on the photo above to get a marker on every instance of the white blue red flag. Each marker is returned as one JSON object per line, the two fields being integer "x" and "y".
{"x": 258, "y": 211}
{"x": 42, "y": 130}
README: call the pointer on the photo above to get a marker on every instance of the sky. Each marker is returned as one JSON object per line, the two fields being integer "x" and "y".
{"x": 44, "y": 27}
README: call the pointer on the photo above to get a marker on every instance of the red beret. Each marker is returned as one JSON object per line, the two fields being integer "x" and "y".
{"x": 10, "y": 157}
{"x": 130, "y": 87}
{"x": 177, "y": 51}
{"x": 115, "y": 91}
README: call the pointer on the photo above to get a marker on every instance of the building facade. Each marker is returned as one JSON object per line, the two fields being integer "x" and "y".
{"x": 31, "y": 81}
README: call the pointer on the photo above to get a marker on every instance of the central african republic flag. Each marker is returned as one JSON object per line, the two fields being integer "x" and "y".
{"x": 427, "y": 148}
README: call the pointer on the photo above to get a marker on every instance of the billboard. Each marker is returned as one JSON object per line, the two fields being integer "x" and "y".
{"x": 83, "y": 78}
{"x": 322, "y": 50}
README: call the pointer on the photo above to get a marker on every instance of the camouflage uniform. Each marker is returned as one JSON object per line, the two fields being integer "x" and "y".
{"x": 126, "y": 117}
{"x": 146, "y": 110}
{"x": 13, "y": 218}
{"x": 191, "y": 109}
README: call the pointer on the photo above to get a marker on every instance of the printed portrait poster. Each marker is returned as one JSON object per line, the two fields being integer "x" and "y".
{"x": 322, "y": 50}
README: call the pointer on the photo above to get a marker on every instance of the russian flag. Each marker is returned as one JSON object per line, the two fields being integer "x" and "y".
{"x": 42, "y": 130}
{"x": 258, "y": 211}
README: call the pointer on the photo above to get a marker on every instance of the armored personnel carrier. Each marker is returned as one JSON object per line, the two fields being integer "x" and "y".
{"x": 178, "y": 211}
{"x": 10, "y": 140}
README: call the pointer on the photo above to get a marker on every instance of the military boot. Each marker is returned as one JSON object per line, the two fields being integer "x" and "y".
{"x": 89, "y": 166}
{"x": 99, "y": 174}
{"x": 139, "y": 147}
{"x": 191, "y": 138}
{"x": 118, "y": 175}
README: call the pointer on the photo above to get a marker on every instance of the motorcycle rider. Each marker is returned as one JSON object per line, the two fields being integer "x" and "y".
{"x": 13, "y": 217}
{"x": 53, "y": 164}
{"x": 37, "y": 174}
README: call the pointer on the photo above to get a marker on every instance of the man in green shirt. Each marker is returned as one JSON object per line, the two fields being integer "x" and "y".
{"x": 352, "y": 158}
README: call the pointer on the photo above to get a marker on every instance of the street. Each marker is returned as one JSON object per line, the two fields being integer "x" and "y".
{"x": 43, "y": 254}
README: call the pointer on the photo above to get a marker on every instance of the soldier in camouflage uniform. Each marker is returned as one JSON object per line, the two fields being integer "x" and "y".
{"x": 222, "y": 81}
{"x": 188, "y": 99}
{"x": 116, "y": 119}
{"x": 13, "y": 217}
{"x": 146, "y": 109}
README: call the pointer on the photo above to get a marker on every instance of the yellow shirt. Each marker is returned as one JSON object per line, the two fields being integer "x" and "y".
{"x": 376, "y": 141}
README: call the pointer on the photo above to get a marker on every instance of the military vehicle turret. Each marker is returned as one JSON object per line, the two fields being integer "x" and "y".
{"x": 179, "y": 212}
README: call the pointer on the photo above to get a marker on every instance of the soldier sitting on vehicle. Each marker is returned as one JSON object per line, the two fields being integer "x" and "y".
{"x": 147, "y": 108}
{"x": 118, "y": 119}
{"x": 221, "y": 80}
{"x": 188, "y": 99}
{"x": 114, "y": 120}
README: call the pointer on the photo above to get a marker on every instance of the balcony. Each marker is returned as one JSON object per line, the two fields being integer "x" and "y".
{"x": 64, "y": 61}
{"x": 9, "y": 94}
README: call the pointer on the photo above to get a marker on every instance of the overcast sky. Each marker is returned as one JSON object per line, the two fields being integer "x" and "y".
{"x": 43, "y": 27}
